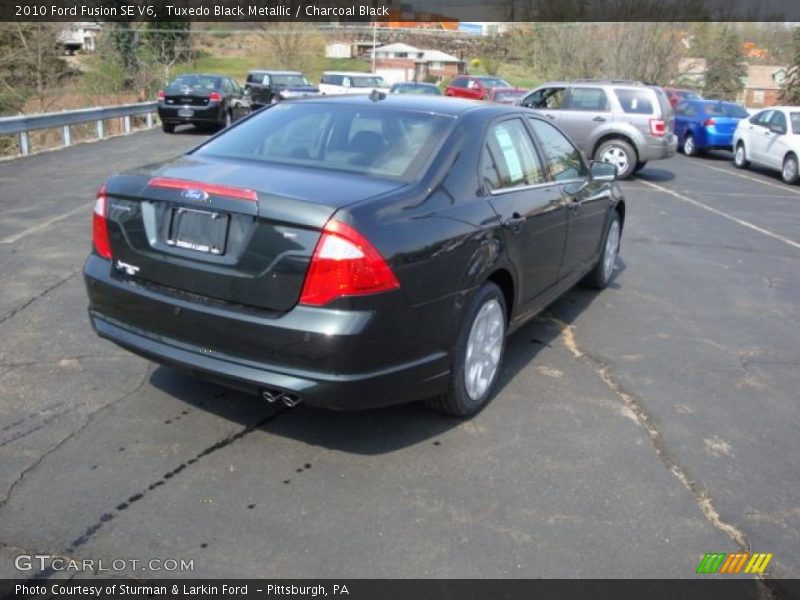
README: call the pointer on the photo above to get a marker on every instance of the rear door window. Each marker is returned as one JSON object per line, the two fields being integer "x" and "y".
{"x": 637, "y": 102}
{"x": 509, "y": 157}
{"x": 762, "y": 119}
{"x": 588, "y": 99}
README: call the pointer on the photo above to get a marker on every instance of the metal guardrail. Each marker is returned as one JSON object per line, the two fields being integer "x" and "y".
{"x": 23, "y": 124}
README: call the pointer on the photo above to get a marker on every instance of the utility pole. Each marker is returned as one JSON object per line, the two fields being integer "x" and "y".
{"x": 374, "y": 39}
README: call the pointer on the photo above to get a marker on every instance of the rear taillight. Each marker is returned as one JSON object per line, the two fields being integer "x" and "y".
{"x": 709, "y": 122}
{"x": 214, "y": 97}
{"x": 345, "y": 264}
{"x": 658, "y": 127}
{"x": 102, "y": 244}
{"x": 161, "y": 94}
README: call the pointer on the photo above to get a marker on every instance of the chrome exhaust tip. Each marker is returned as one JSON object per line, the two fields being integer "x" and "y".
{"x": 291, "y": 400}
{"x": 273, "y": 396}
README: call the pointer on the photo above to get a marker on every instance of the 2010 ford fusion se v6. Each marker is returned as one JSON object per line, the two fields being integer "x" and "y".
{"x": 352, "y": 252}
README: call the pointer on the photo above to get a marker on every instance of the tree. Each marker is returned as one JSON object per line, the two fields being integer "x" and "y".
{"x": 790, "y": 90}
{"x": 126, "y": 42}
{"x": 725, "y": 70}
{"x": 296, "y": 46}
{"x": 166, "y": 44}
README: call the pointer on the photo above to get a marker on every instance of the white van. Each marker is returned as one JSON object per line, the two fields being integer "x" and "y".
{"x": 351, "y": 82}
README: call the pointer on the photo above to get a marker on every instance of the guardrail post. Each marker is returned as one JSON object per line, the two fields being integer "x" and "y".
{"x": 127, "y": 123}
{"x": 24, "y": 143}
{"x": 100, "y": 129}
{"x": 149, "y": 120}
{"x": 65, "y": 135}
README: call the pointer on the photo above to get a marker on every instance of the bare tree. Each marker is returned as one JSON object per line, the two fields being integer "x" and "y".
{"x": 296, "y": 46}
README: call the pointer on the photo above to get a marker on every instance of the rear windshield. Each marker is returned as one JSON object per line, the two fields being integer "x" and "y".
{"x": 359, "y": 139}
{"x": 193, "y": 83}
{"x": 362, "y": 82}
{"x": 638, "y": 102}
{"x": 795, "y": 118}
{"x": 494, "y": 82}
{"x": 509, "y": 96}
{"x": 289, "y": 80}
{"x": 718, "y": 109}
{"x": 416, "y": 89}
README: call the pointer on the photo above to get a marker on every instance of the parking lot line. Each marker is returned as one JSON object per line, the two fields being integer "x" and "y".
{"x": 39, "y": 226}
{"x": 716, "y": 211}
{"x": 781, "y": 186}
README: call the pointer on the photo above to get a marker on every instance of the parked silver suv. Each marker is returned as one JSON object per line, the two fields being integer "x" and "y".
{"x": 625, "y": 123}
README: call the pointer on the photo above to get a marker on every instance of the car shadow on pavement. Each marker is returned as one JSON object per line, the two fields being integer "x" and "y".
{"x": 382, "y": 430}
{"x": 654, "y": 175}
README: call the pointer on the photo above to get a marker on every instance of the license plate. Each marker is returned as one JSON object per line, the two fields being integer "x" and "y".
{"x": 198, "y": 230}
{"x": 185, "y": 112}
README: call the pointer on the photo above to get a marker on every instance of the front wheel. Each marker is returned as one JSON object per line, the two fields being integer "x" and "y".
{"x": 477, "y": 355}
{"x": 601, "y": 275}
{"x": 789, "y": 173}
{"x": 620, "y": 154}
{"x": 740, "y": 157}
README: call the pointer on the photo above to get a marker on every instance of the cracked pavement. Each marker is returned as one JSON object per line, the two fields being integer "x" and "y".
{"x": 634, "y": 431}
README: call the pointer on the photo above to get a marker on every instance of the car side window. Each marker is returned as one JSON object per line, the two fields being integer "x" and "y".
{"x": 588, "y": 99}
{"x": 564, "y": 159}
{"x": 762, "y": 119}
{"x": 551, "y": 98}
{"x": 265, "y": 80}
{"x": 779, "y": 120}
{"x": 509, "y": 157}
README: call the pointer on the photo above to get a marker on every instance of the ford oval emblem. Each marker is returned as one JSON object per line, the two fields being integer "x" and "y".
{"x": 194, "y": 195}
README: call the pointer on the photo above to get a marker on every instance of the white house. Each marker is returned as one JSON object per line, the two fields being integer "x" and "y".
{"x": 79, "y": 36}
{"x": 338, "y": 50}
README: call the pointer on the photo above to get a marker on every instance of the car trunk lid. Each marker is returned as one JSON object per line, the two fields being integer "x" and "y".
{"x": 239, "y": 232}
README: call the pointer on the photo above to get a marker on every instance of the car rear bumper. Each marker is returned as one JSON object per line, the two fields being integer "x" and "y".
{"x": 716, "y": 140}
{"x": 200, "y": 114}
{"x": 658, "y": 148}
{"x": 336, "y": 359}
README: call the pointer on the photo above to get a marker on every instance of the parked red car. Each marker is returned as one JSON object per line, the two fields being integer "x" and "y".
{"x": 678, "y": 95}
{"x": 470, "y": 86}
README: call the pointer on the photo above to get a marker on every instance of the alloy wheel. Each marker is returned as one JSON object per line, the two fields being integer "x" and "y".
{"x": 484, "y": 348}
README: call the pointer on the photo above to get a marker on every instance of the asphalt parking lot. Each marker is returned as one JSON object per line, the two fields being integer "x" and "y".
{"x": 635, "y": 430}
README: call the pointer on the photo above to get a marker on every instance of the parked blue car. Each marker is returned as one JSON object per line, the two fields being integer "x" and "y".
{"x": 706, "y": 125}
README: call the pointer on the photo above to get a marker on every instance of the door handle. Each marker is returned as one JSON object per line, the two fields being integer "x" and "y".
{"x": 599, "y": 119}
{"x": 515, "y": 223}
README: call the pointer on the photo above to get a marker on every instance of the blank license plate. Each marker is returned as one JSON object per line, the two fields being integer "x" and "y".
{"x": 198, "y": 230}
{"x": 185, "y": 112}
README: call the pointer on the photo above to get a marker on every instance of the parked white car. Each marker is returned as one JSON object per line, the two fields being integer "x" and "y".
{"x": 770, "y": 138}
{"x": 351, "y": 82}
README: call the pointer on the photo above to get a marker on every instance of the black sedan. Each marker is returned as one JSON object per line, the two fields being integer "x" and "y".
{"x": 213, "y": 101}
{"x": 352, "y": 252}
{"x": 269, "y": 87}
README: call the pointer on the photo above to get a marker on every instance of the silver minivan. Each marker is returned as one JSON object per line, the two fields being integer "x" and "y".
{"x": 625, "y": 123}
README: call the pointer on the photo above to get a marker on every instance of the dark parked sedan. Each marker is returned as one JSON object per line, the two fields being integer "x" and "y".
{"x": 204, "y": 100}
{"x": 352, "y": 252}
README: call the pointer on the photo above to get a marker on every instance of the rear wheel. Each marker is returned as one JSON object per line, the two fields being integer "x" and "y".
{"x": 689, "y": 145}
{"x": 620, "y": 154}
{"x": 477, "y": 355}
{"x": 740, "y": 157}
{"x": 168, "y": 127}
{"x": 789, "y": 172}
{"x": 601, "y": 275}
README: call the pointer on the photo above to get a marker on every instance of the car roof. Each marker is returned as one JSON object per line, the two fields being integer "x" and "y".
{"x": 271, "y": 72}
{"x": 441, "y": 105}
{"x": 589, "y": 82}
{"x": 200, "y": 75}
{"x": 352, "y": 73}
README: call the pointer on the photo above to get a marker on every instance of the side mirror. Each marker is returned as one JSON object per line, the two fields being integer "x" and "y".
{"x": 603, "y": 171}
{"x": 775, "y": 128}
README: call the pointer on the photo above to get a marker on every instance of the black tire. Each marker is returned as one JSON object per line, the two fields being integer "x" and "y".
{"x": 740, "y": 156}
{"x": 639, "y": 166}
{"x": 168, "y": 127}
{"x": 616, "y": 146}
{"x": 689, "y": 145}
{"x": 790, "y": 172}
{"x": 227, "y": 120}
{"x": 457, "y": 401}
{"x": 601, "y": 275}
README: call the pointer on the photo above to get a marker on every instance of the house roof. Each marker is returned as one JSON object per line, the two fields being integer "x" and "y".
{"x": 398, "y": 48}
{"x": 438, "y": 56}
{"x": 763, "y": 77}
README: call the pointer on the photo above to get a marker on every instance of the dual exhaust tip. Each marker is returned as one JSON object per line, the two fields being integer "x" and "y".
{"x": 288, "y": 399}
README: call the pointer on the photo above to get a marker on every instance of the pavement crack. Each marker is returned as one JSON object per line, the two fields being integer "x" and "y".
{"x": 635, "y": 409}
{"x": 112, "y": 513}
{"x": 89, "y": 419}
{"x": 41, "y": 294}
